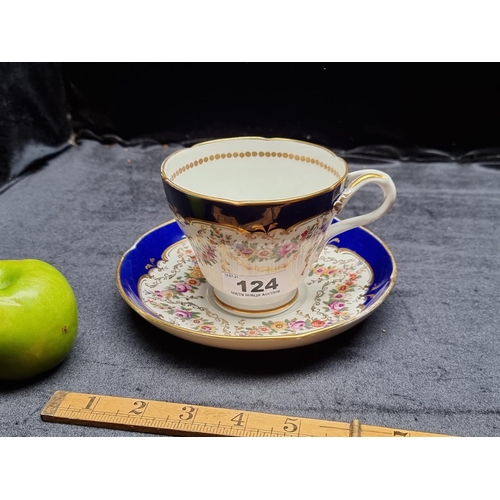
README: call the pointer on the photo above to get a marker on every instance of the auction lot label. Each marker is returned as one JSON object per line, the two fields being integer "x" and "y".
{"x": 256, "y": 287}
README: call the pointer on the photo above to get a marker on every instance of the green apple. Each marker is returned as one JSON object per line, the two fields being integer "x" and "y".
{"x": 38, "y": 318}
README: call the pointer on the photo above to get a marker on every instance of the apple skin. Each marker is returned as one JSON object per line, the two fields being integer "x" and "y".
{"x": 38, "y": 318}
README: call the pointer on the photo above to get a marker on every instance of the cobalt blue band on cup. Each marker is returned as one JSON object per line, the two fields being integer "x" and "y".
{"x": 258, "y": 213}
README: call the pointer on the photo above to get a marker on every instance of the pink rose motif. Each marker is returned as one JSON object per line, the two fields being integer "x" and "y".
{"x": 336, "y": 306}
{"x": 304, "y": 235}
{"x": 317, "y": 323}
{"x": 338, "y": 296}
{"x": 182, "y": 287}
{"x": 297, "y": 325}
{"x": 182, "y": 314}
{"x": 244, "y": 250}
{"x": 285, "y": 249}
{"x": 208, "y": 252}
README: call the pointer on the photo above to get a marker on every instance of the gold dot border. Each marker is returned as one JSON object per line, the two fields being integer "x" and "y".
{"x": 248, "y": 154}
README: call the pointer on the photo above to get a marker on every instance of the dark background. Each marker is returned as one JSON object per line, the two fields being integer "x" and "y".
{"x": 453, "y": 108}
{"x": 405, "y": 111}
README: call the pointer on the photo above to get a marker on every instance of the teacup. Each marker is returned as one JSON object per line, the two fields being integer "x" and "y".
{"x": 258, "y": 212}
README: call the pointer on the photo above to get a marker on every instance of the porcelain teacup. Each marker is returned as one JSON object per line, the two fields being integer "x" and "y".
{"x": 258, "y": 212}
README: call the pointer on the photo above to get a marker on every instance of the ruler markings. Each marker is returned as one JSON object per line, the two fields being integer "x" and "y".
{"x": 150, "y": 416}
{"x": 336, "y": 427}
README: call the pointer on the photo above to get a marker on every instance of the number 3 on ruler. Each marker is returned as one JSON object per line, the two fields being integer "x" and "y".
{"x": 189, "y": 413}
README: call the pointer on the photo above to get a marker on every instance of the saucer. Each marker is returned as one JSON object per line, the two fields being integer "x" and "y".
{"x": 159, "y": 278}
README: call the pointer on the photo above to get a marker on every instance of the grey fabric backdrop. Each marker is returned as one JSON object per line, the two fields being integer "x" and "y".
{"x": 426, "y": 360}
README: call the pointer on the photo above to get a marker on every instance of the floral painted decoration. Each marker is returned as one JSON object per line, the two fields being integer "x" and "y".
{"x": 209, "y": 239}
{"x": 176, "y": 291}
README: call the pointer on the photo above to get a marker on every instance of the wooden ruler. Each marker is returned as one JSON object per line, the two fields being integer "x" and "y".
{"x": 160, "y": 417}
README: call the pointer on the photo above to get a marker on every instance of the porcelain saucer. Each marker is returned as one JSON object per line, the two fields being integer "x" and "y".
{"x": 159, "y": 278}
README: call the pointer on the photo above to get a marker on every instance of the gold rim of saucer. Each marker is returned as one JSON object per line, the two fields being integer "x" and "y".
{"x": 237, "y": 310}
{"x": 259, "y": 202}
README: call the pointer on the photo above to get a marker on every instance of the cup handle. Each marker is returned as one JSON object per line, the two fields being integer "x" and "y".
{"x": 354, "y": 181}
